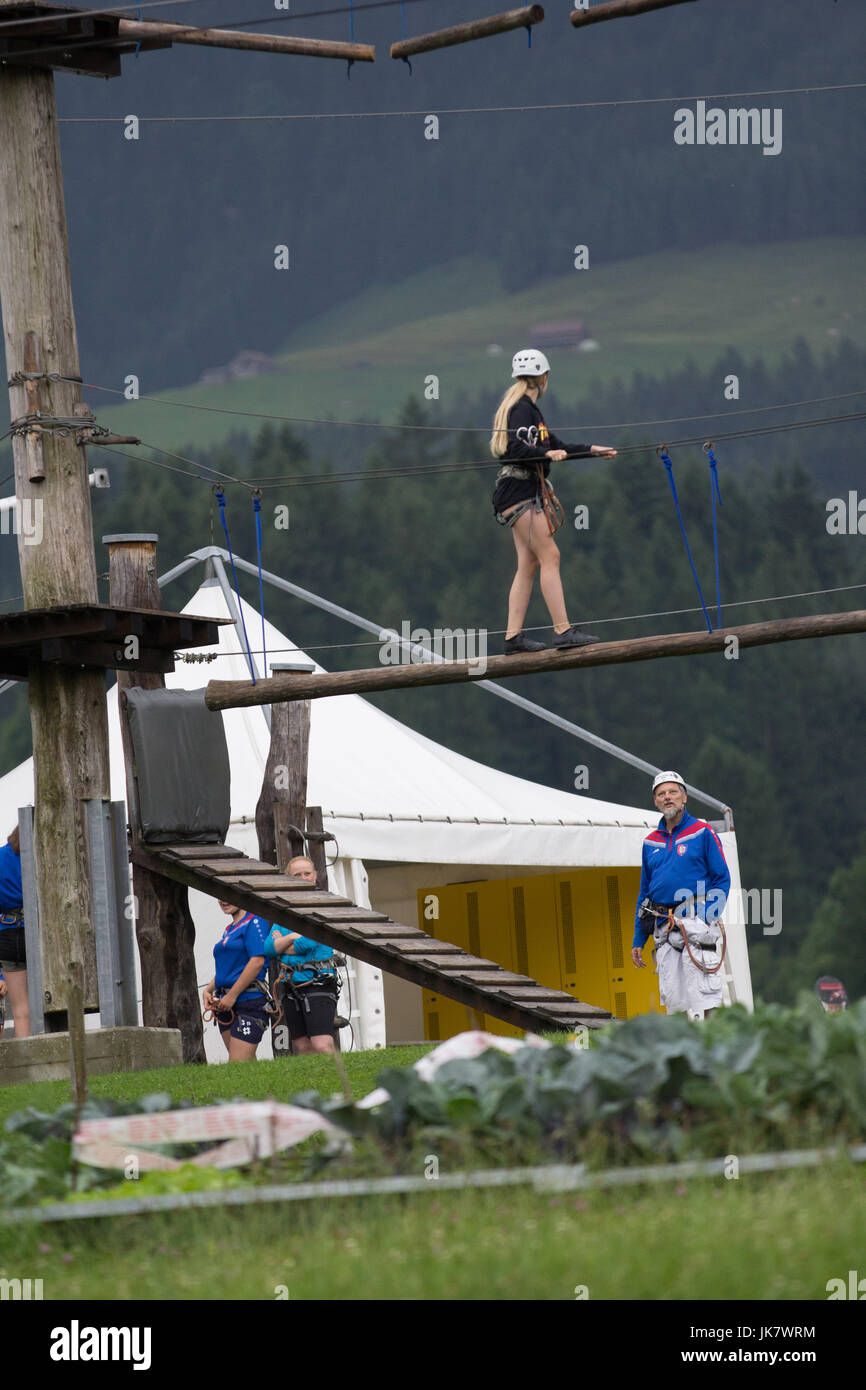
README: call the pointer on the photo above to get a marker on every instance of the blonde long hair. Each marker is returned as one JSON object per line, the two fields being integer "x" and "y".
{"x": 499, "y": 437}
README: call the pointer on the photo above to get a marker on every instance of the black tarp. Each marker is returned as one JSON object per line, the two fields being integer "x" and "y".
{"x": 181, "y": 765}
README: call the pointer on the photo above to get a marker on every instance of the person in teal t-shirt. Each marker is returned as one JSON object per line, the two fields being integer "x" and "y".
{"x": 311, "y": 991}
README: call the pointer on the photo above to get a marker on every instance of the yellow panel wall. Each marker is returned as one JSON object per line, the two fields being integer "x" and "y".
{"x": 570, "y": 931}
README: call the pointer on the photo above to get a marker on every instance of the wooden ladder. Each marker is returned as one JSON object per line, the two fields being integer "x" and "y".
{"x": 226, "y": 873}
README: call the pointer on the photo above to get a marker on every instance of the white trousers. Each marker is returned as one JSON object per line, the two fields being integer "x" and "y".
{"x": 682, "y": 985}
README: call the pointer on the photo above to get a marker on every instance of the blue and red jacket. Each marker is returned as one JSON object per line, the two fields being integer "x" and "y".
{"x": 689, "y": 861}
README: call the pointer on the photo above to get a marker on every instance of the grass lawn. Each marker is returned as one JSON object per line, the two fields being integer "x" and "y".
{"x": 278, "y": 1079}
{"x": 761, "y": 1237}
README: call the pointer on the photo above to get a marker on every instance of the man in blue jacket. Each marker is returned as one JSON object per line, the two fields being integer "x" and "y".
{"x": 684, "y": 886}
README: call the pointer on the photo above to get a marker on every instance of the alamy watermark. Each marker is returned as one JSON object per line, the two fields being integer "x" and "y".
{"x": 23, "y": 518}
{"x": 414, "y": 646}
{"x": 737, "y": 126}
{"x": 846, "y": 517}
{"x": 20, "y": 1289}
{"x": 762, "y": 907}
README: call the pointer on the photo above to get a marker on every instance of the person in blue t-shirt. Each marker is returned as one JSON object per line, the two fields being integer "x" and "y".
{"x": 233, "y": 996}
{"x": 13, "y": 958}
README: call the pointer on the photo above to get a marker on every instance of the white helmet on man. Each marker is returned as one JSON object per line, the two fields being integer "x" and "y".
{"x": 529, "y": 362}
{"x": 668, "y": 777}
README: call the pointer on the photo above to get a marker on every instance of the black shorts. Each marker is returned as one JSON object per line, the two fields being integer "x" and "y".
{"x": 12, "y": 950}
{"x": 309, "y": 1012}
{"x": 250, "y": 1022}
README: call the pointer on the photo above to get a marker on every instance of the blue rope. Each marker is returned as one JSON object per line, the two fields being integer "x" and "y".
{"x": 529, "y": 36}
{"x": 670, "y": 468}
{"x": 351, "y": 39}
{"x": 221, "y": 498}
{"x": 714, "y": 493}
{"x": 138, "y": 45}
{"x": 403, "y": 23}
{"x": 257, "y": 508}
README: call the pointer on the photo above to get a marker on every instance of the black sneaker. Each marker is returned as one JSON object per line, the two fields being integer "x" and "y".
{"x": 520, "y": 643}
{"x": 573, "y": 637}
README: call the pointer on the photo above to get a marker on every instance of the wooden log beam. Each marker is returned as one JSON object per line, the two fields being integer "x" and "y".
{"x": 619, "y": 9}
{"x": 133, "y": 29}
{"x": 465, "y": 33}
{"x": 283, "y": 798}
{"x": 237, "y": 694}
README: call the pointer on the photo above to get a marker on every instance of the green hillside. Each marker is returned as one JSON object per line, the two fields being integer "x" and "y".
{"x": 653, "y": 314}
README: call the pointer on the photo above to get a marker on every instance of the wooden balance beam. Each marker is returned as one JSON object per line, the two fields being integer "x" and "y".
{"x": 221, "y": 695}
{"x": 619, "y": 9}
{"x": 408, "y": 952}
{"x": 465, "y": 33}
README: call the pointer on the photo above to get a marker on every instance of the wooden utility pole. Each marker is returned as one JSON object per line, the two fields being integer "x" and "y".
{"x": 67, "y": 705}
{"x": 163, "y": 923}
{"x": 281, "y": 806}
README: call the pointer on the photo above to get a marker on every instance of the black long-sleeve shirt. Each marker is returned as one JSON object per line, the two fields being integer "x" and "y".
{"x": 529, "y": 440}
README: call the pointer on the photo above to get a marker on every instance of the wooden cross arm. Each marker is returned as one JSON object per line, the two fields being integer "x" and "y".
{"x": 619, "y": 9}
{"x": 134, "y": 30}
{"x": 465, "y": 33}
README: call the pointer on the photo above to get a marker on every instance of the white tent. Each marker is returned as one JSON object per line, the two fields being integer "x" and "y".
{"x": 405, "y": 812}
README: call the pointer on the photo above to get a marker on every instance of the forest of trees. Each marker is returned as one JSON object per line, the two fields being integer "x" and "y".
{"x": 172, "y": 261}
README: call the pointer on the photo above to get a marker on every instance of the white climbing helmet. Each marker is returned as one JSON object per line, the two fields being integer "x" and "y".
{"x": 529, "y": 362}
{"x": 668, "y": 777}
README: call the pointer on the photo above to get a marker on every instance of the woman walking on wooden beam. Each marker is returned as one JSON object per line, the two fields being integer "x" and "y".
{"x": 523, "y": 500}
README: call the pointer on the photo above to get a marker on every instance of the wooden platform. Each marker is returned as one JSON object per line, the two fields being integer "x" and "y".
{"x": 95, "y": 634}
{"x": 407, "y": 952}
{"x": 62, "y": 37}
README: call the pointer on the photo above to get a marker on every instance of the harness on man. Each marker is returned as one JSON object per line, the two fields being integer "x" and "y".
{"x": 669, "y": 930}
{"x": 11, "y": 919}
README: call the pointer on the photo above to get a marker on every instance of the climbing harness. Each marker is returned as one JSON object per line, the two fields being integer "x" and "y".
{"x": 670, "y": 930}
{"x": 272, "y": 1005}
{"x": 550, "y": 503}
{"x": 510, "y": 519}
{"x": 545, "y": 500}
{"x": 210, "y": 1015}
{"x": 325, "y": 978}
